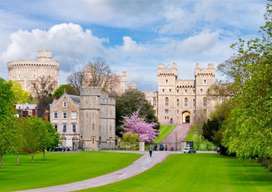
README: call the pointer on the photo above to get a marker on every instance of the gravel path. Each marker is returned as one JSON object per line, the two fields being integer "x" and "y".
{"x": 142, "y": 164}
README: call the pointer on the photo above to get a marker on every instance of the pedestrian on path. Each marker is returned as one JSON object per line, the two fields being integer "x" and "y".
{"x": 150, "y": 150}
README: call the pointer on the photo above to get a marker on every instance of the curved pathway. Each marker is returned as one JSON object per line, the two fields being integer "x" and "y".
{"x": 142, "y": 164}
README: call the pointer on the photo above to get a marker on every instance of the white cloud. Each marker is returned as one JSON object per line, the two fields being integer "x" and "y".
{"x": 73, "y": 47}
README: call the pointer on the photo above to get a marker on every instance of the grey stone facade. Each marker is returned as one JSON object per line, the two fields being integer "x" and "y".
{"x": 97, "y": 119}
{"x": 86, "y": 121}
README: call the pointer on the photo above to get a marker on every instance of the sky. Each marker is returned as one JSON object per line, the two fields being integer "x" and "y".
{"x": 131, "y": 35}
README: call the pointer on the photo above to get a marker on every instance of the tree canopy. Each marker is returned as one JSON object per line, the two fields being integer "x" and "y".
{"x": 133, "y": 101}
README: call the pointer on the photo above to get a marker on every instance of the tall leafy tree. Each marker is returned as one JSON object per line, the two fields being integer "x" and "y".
{"x": 7, "y": 131}
{"x": 67, "y": 88}
{"x": 248, "y": 129}
{"x": 21, "y": 96}
{"x": 131, "y": 101}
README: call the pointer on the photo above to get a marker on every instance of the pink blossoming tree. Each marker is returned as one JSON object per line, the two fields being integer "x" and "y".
{"x": 137, "y": 125}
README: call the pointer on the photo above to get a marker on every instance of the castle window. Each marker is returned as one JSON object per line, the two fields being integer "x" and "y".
{"x": 56, "y": 126}
{"x": 162, "y": 90}
{"x": 204, "y": 101}
{"x": 64, "y": 115}
{"x": 55, "y": 115}
{"x": 177, "y": 102}
{"x": 205, "y": 81}
{"x": 169, "y": 90}
{"x": 166, "y": 110}
{"x": 74, "y": 127}
{"x": 185, "y": 101}
{"x": 64, "y": 128}
{"x": 64, "y": 104}
{"x": 166, "y": 80}
{"x": 166, "y": 101}
{"x": 201, "y": 90}
{"x": 185, "y": 90}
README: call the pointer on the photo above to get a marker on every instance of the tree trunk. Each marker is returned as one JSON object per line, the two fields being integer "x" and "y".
{"x": 32, "y": 157}
{"x": 17, "y": 159}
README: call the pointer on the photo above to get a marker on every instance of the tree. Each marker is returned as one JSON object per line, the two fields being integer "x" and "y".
{"x": 21, "y": 96}
{"x": 7, "y": 132}
{"x": 131, "y": 101}
{"x": 75, "y": 80}
{"x": 95, "y": 74}
{"x": 67, "y": 88}
{"x": 43, "y": 88}
{"x": 248, "y": 129}
{"x": 37, "y": 135}
{"x": 144, "y": 130}
{"x": 212, "y": 129}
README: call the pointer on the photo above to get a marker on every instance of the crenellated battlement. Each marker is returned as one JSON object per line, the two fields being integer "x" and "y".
{"x": 27, "y": 71}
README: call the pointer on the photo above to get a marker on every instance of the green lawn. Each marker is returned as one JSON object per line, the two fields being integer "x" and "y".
{"x": 59, "y": 168}
{"x": 165, "y": 130}
{"x": 197, "y": 173}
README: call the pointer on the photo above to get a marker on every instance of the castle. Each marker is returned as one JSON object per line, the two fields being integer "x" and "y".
{"x": 28, "y": 71}
{"x": 182, "y": 101}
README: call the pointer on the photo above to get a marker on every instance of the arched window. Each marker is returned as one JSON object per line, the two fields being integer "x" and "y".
{"x": 166, "y": 101}
{"x": 204, "y": 101}
{"x": 177, "y": 102}
{"x": 185, "y": 101}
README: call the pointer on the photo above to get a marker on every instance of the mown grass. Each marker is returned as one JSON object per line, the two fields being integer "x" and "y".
{"x": 165, "y": 130}
{"x": 59, "y": 168}
{"x": 197, "y": 173}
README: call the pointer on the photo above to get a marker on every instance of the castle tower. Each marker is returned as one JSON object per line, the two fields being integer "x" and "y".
{"x": 27, "y": 71}
{"x": 90, "y": 117}
{"x": 204, "y": 78}
{"x": 97, "y": 119}
{"x": 167, "y": 77}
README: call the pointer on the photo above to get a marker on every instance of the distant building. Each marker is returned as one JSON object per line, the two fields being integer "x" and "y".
{"x": 26, "y": 110}
{"x": 182, "y": 101}
{"x": 26, "y": 72}
{"x": 64, "y": 115}
{"x": 86, "y": 121}
{"x": 97, "y": 119}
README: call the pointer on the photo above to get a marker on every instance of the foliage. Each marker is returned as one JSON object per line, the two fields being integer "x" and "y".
{"x": 37, "y": 135}
{"x": 130, "y": 137}
{"x": 43, "y": 88}
{"x": 248, "y": 129}
{"x": 95, "y": 74}
{"x": 67, "y": 88}
{"x": 21, "y": 96}
{"x": 131, "y": 101}
{"x": 7, "y": 132}
{"x": 200, "y": 143}
{"x": 135, "y": 124}
{"x": 75, "y": 80}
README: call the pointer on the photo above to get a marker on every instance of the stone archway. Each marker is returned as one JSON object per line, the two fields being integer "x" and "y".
{"x": 186, "y": 117}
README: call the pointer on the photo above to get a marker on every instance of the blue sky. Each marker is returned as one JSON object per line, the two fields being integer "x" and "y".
{"x": 134, "y": 36}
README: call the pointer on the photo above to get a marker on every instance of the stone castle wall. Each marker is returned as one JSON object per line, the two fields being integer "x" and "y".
{"x": 182, "y": 101}
{"x": 28, "y": 71}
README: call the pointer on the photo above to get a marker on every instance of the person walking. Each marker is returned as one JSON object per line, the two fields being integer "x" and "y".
{"x": 150, "y": 150}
